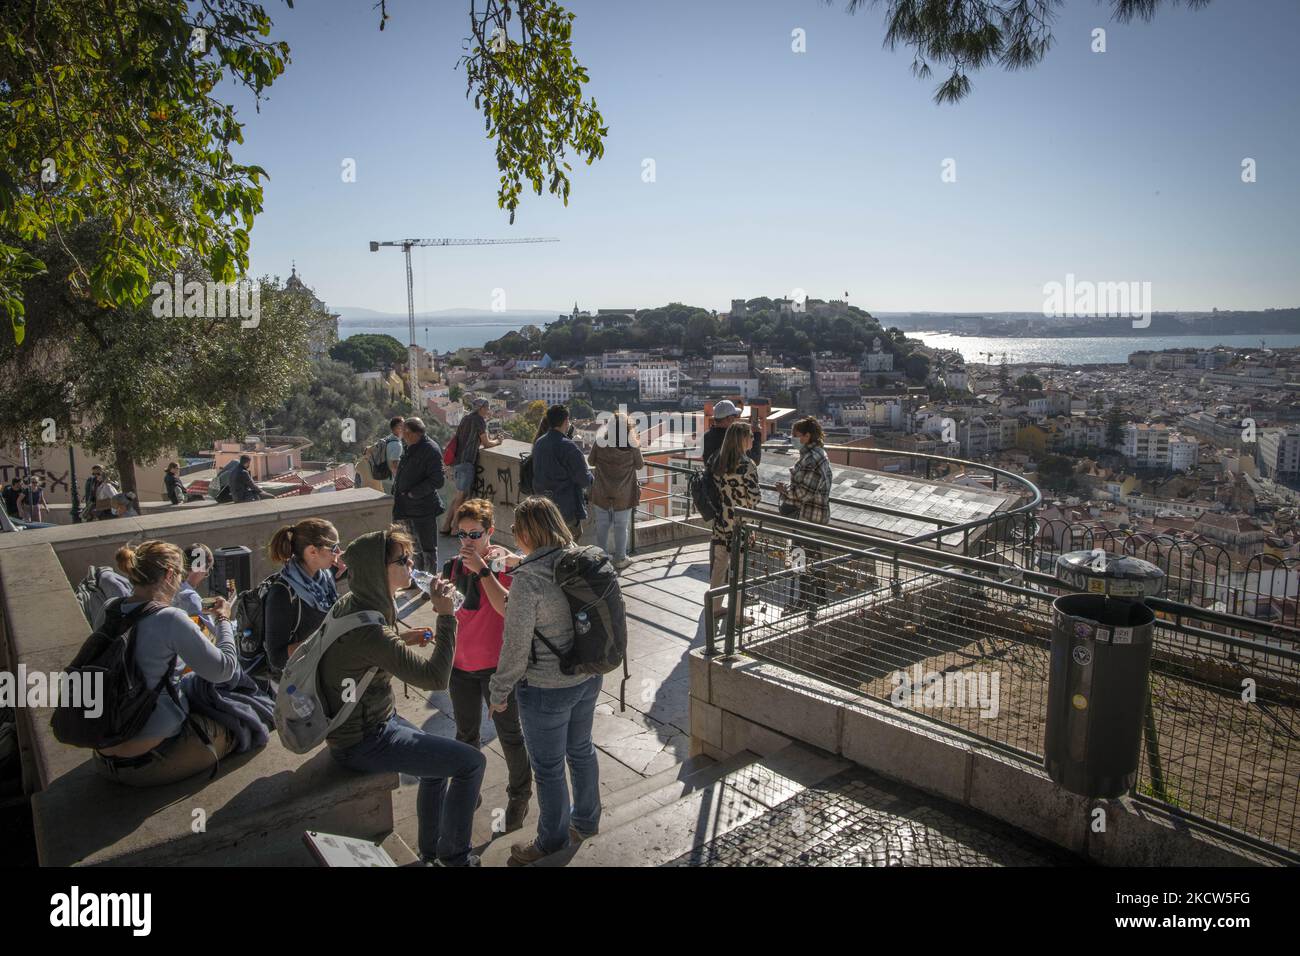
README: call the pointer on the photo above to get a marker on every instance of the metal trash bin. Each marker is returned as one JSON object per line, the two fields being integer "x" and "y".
{"x": 1097, "y": 688}
{"x": 232, "y": 571}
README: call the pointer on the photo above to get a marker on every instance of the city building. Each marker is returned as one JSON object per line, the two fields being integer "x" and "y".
{"x": 659, "y": 381}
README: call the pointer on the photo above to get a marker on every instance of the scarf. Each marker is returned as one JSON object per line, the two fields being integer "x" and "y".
{"x": 319, "y": 590}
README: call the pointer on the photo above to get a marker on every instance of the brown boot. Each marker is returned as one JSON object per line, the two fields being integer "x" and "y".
{"x": 516, "y": 813}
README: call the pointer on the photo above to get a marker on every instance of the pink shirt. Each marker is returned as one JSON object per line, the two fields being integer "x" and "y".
{"x": 478, "y": 632}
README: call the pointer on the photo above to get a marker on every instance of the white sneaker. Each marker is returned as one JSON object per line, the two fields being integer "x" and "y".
{"x": 622, "y": 563}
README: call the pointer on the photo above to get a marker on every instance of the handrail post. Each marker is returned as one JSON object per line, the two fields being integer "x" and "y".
{"x": 729, "y": 647}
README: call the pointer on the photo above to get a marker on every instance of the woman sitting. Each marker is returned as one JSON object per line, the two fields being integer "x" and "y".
{"x": 304, "y": 588}
{"x": 173, "y": 744}
{"x": 374, "y": 738}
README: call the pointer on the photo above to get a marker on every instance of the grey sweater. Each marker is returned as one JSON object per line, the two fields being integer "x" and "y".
{"x": 535, "y": 601}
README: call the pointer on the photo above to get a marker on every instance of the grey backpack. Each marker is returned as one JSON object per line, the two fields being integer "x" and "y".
{"x": 300, "y": 716}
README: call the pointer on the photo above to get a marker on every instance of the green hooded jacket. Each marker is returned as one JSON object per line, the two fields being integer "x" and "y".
{"x": 354, "y": 653}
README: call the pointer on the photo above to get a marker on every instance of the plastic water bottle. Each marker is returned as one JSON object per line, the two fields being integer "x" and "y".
{"x": 302, "y": 705}
{"x": 581, "y": 624}
{"x": 422, "y": 580}
{"x": 498, "y": 564}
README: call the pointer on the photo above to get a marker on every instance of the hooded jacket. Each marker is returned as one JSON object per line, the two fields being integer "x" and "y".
{"x": 354, "y": 653}
{"x": 616, "y": 487}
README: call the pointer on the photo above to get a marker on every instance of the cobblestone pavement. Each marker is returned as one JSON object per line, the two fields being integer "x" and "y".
{"x": 861, "y": 819}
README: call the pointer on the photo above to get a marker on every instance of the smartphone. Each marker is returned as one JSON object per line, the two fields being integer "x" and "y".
{"x": 208, "y": 603}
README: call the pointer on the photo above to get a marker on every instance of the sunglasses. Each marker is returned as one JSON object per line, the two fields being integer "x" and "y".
{"x": 472, "y": 535}
{"x": 407, "y": 558}
{"x": 334, "y": 548}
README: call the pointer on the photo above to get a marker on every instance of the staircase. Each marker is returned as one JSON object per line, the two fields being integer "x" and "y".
{"x": 656, "y": 820}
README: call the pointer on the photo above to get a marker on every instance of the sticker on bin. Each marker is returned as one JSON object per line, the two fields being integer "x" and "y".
{"x": 1123, "y": 635}
{"x": 1082, "y": 656}
{"x": 1103, "y": 635}
{"x": 1097, "y": 586}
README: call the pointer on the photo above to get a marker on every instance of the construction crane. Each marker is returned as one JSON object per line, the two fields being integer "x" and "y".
{"x": 406, "y": 245}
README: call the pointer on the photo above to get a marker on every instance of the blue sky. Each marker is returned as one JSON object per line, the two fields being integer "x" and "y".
{"x": 778, "y": 171}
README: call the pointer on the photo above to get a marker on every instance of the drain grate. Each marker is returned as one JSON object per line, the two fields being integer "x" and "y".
{"x": 861, "y": 819}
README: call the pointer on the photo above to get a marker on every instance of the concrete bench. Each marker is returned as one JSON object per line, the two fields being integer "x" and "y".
{"x": 253, "y": 812}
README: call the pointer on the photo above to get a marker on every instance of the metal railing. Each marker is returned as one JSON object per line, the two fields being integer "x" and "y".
{"x": 897, "y": 620}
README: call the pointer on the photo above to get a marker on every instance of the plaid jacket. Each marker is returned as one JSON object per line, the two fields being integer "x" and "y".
{"x": 810, "y": 485}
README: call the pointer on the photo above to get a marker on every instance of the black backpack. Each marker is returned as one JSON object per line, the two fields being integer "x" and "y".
{"x": 526, "y": 475}
{"x": 590, "y": 583}
{"x": 703, "y": 487}
{"x": 127, "y": 701}
{"x": 250, "y": 611}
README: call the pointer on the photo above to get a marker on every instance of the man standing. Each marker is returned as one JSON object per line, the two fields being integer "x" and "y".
{"x": 415, "y": 491}
{"x": 11, "y": 493}
{"x": 724, "y": 413}
{"x": 97, "y": 500}
{"x": 471, "y": 435}
{"x": 393, "y": 449}
{"x": 560, "y": 471}
{"x": 242, "y": 485}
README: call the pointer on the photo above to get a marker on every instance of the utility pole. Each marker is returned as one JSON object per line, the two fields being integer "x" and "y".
{"x": 406, "y": 244}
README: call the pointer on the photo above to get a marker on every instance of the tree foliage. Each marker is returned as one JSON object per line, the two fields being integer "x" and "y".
{"x": 110, "y": 111}
{"x": 969, "y": 35}
{"x": 131, "y": 384}
{"x": 369, "y": 353}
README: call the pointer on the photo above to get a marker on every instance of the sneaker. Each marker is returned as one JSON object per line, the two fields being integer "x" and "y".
{"x": 621, "y": 563}
{"x": 471, "y": 860}
{"x": 516, "y": 812}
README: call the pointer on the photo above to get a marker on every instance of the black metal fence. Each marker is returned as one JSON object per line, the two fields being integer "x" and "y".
{"x": 966, "y": 642}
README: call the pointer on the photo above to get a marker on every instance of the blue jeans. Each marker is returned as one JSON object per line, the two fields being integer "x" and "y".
{"x": 557, "y": 724}
{"x": 620, "y": 521}
{"x": 446, "y": 812}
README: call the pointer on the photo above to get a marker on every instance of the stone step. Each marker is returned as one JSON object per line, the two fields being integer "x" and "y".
{"x": 658, "y": 826}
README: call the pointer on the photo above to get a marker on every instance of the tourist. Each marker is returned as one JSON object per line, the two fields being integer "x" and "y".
{"x": 616, "y": 459}
{"x": 32, "y": 503}
{"x": 737, "y": 479}
{"x": 808, "y": 496}
{"x": 242, "y": 486}
{"x": 125, "y": 505}
{"x": 90, "y": 496}
{"x": 555, "y": 709}
{"x": 480, "y": 623}
{"x": 176, "y": 491}
{"x": 415, "y": 492}
{"x": 560, "y": 471}
{"x": 11, "y": 494}
{"x": 198, "y": 565}
{"x": 725, "y": 414}
{"x": 173, "y": 744}
{"x": 471, "y": 435}
{"x": 303, "y": 590}
{"x": 393, "y": 448}
{"x": 374, "y": 738}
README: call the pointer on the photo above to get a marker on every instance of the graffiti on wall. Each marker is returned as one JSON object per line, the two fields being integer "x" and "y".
{"x": 55, "y": 481}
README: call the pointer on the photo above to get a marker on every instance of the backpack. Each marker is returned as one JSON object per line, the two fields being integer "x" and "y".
{"x": 92, "y": 597}
{"x": 300, "y": 717}
{"x": 219, "y": 485}
{"x": 250, "y": 611}
{"x": 127, "y": 702}
{"x": 378, "y": 455}
{"x": 589, "y": 581}
{"x": 449, "y": 453}
{"x": 526, "y": 475}
{"x": 704, "y": 491}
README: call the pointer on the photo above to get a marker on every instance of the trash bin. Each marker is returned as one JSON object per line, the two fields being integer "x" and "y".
{"x": 232, "y": 571}
{"x": 1097, "y": 687}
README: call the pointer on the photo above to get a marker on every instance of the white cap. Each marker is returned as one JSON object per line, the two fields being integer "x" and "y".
{"x": 724, "y": 409}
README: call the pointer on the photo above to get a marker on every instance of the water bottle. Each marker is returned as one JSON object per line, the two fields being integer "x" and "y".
{"x": 302, "y": 705}
{"x": 422, "y": 580}
{"x": 581, "y": 624}
{"x": 498, "y": 564}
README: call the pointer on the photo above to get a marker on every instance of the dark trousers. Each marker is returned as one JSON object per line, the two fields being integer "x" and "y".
{"x": 469, "y": 692}
{"x": 425, "y": 532}
{"x": 450, "y": 776}
{"x": 810, "y": 590}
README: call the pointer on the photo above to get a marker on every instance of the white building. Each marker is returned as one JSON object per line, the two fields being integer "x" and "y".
{"x": 731, "y": 365}
{"x": 659, "y": 381}
{"x": 1184, "y": 452}
{"x": 1279, "y": 452}
{"x": 553, "y": 388}
{"x": 878, "y": 362}
{"x": 1146, "y": 446}
{"x": 744, "y": 385}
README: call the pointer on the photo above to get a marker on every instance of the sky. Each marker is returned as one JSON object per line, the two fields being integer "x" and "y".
{"x": 777, "y": 171}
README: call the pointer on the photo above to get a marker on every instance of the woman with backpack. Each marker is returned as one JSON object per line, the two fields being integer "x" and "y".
{"x": 303, "y": 590}
{"x": 173, "y": 744}
{"x": 556, "y": 709}
{"x": 373, "y": 738}
{"x": 808, "y": 496}
{"x": 736, "y": 476}
{"x": 616, "y": 459}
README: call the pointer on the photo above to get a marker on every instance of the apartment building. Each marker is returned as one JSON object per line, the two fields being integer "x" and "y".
{"x": 552, "y": 386}
{"x": 1279, "y": 452}
{"x": 659, "y": 381}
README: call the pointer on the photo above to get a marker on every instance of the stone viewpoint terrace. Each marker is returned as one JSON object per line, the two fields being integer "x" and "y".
{"x": 718, "y": 759}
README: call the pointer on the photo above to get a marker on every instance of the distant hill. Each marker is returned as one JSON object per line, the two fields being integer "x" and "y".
{"x": 354, "y": 315}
